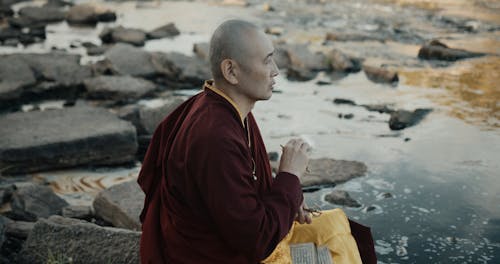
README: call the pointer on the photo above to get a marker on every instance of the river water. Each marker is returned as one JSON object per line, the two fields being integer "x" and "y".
{"x": 442, "y": 174}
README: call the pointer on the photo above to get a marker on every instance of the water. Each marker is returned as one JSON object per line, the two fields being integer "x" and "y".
{"x": 443, "y": 181}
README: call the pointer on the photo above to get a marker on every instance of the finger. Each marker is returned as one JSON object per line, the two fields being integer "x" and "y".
{"x": 301, "y": 218}
{"x": 308, "y": 218}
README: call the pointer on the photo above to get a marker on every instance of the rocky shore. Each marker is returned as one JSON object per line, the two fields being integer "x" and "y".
{"x": 59, "y": 113}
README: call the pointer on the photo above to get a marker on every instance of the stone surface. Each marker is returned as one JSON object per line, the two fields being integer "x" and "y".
{"x": 380, "y": 75}
{"x": 132, "y": 36}
{"x": 202, "y": 50}
{"x": 339, "y": 61}
{"x": 436, "y": 50}
{"x": 42, "y": 14}
{"x": 15, "y": 76}
{"x": 118, "y": 88}
{"x": 19, "y": 229}
{"x": 168, "y": 30}
{"x": 81, "y": 241}
{"x": 340, "y": 197}
{"x": 343, "y": 36}
{"x": 78, "y": 211}
{"x": 121, "y": 205}
{"x": 328, "y": 172}
{"x": 191, "y": 71}
{"x": 302, "y": 58}
{"x": 83, "y": 14}
{"x": 67, "y": 137}
{"x": 401, "y": 119}
{"x": 126, "y": 59}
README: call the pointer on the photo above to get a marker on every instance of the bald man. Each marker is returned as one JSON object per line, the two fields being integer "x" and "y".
{"x": 210, "y": 195}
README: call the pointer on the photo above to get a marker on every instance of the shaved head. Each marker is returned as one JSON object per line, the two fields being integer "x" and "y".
{"x": 229, "y": 41}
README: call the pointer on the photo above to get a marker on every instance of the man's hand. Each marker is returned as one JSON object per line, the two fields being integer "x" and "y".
{"x": 295, "y": 157}
{"x": 303, "y": 216}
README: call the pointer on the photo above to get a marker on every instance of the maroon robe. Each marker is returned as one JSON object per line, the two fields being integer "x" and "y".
{"x": 202, "y": 202}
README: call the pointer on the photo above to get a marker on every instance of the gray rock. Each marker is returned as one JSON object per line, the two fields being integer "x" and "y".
{"x": 302, "y": 58}
{"x": 67, "y": 137}
{"x": 341, "y": 198}
{"x": 191, "y": 71}
{"x": 328, "y": 172}
{"x": 132, "y": 36}
{"x": 436, "y": 50}
{"x": 81, "y": 241}
{"x": 381, "y": 108}
{"x": 42, "y": 14}
{"x": 121, "y": 205}
{"x": 380, "y": 75}
{"x": 401, "y": 119}
{"x": 19, "y": 229}
{"x": 168, "y": 30}
{"x": 4, "y": 221}
{"x": 339, "y": 61}
{"x": 281, "y": 57}
{"x": 95, "y": 50}
{"x": 88, "y": 14}
{"x": 15, "y": 76}
{"x": 202, "y": 50}
{"x": 118, "y": 88}
{"x": 343, "y": 101}
{"x": 149, "y": 118}
{"x": 343, "y": 36}
{"x": 128, "y": 60}
{"x": 78, "y": 211}
{"x": 300, "y": 74}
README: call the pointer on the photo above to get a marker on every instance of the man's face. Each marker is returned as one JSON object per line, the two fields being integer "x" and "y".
{"x": 258, "y": 69}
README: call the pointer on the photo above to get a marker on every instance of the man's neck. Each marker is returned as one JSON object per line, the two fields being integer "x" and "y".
{"x": 244, "y": 104}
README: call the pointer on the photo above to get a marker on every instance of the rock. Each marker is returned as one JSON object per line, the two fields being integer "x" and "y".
{"x": 436, "y": 50}
{"x": 78, "y": 211}
{"x": 302, "y": 58}
{"x": 242, "y": 3}
{"x": 15, "y": 76}
{"x": 19, "y": 229}
{"x": 343, "y": 101}
{"x": 3, "y": 223}
{"x": 202, "y": 50}
{"x": 45, "y": 14}
{"x": 340, "y": 36}
{"x": 341, "y": 198}
{"x": 168, "y": 30}
{"x": 300, "y": 74}
{"x": 5, "y": 11}
{"x": 31, "y": 202}
{"x": 277, "y": 31}
{"x": 273, "y": 156}
{"x": 121, "y": 205}
{"x": 328, "y": 172}
{"x": 340, "y": 62}
{"x": 58, "y": 3}
{"x": 125, "y": 59}
{"x": 132, "y": 36}
{"x": 281, "y": 57}
{"x": 184, "y": 69}
{"x": 379, "y": 108}
{"x": 78, "y": 242}
{"x": 9, "y": 33}
{"x": 73, "y": 136}
{"x": 118, "y": 88}
{"x": 89, "y": 14}
{"x": 266, "y": 7}
{"x": 380, "y": 75}
{"x": 97, "y": 50}
{"x": 401, "y": 119}
{"x": 146, "y": 119}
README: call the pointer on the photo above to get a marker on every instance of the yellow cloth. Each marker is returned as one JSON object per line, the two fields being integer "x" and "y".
{"x": 331, "y": 228}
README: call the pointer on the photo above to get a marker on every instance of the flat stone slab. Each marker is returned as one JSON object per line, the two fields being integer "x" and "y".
{"x": 118, "y": 88}
{"x": 328, "y": 172}
{"x": 67, "y": 137}
{"x": 121, "y": 205}
{"x": 83, "y": 242}
{"x": 15, "y": 75}
{"x": 126, "y": 59}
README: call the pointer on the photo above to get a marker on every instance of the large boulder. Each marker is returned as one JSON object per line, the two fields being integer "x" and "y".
{"x": 44, "y": 14}
{"x": 118, "y": 88}
{"x": 340, "y": 62}
{"x": 88, "y": 14}
{"x": 401, "y": 119}
{"x": 67, "y": 137}
{"x": 76, "y": 241}
{"x": 31, "y": 202}
{"x": 351, "y": 36}
{"x": 202, "y": 50}
{"x": 168, "y": 30}
{"x": 132, "y": 36}
{"x": 436, "y": 50}
{"x": 340, "y": 197}
{"x": 125, "y": 59}
{"x": 303, "y": 63}
{"x": 15, "y": 76}
{"x": 380, "y": 75}
{"x": 329, "y": 172}
{"x": 121, "y": 205}
{"x": 183, "y": 71}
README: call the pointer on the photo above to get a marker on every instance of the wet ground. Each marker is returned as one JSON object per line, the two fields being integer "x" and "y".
{"x": 442, "y": 175}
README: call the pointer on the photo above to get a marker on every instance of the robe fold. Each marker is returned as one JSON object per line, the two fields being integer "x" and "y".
{"x": 210, "y": 195}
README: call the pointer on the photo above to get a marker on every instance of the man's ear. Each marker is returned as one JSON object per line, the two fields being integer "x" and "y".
{"x": 228, "y": 69}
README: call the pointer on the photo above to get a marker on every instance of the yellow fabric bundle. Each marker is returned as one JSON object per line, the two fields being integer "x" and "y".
{"x": 331, "y": 228}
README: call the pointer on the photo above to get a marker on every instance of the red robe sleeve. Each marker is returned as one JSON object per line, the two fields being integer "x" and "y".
{"x": 249, "y": 221}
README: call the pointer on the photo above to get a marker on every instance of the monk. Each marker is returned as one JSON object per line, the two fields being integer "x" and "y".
{"x": 210, "y": 194}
